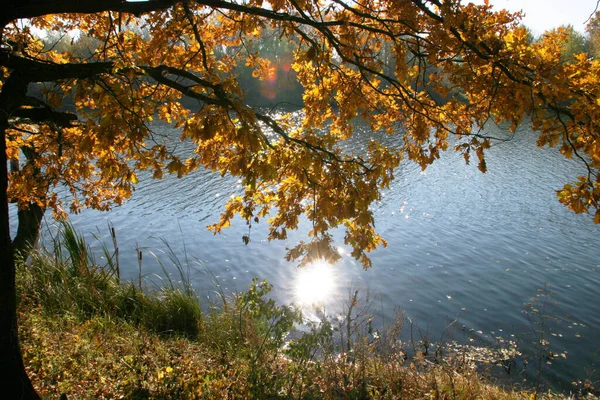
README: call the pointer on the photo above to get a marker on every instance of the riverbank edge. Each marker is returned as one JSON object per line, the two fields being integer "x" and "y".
{"x": 87, "y": 334}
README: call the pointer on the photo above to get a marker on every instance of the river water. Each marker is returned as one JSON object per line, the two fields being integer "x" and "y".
{"x": 463, "y": 246}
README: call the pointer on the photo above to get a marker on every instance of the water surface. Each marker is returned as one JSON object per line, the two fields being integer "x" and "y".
{"x": 463, "y": 246}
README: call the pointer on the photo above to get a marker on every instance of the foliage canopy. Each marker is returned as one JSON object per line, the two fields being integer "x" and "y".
{"x": 421, "y": 71}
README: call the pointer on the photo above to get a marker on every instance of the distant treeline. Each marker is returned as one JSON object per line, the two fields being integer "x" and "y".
{"x": 282, "y": 87}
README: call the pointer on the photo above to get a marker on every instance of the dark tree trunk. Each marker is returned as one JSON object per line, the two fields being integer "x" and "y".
{"x": 30, "y": 221}
{"x": 30, "y": 218}
{"x": 14, "y": 382}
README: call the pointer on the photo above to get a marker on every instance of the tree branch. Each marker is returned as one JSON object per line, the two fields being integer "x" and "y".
{"x": 34, "y": 70}
{"x": 63, "y": 119}
{"x": 37, "y": 8}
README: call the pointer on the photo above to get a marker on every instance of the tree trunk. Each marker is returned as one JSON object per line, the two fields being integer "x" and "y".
{"x": 14, "y": 382}
{"x": 30, "y": 218}
{"x": 30, "y": 221}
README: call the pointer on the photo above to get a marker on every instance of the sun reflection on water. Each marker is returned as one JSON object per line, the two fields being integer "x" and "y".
{"x": 315, "y": 284}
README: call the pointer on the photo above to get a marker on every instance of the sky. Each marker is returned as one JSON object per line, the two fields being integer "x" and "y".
{"x": 541, "y": 15}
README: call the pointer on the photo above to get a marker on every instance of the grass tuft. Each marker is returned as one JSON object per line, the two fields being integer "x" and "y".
{"x": 68, "y": 281}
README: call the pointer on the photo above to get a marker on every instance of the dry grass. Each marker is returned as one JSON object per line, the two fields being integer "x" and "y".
{"x": 103, "y": 358}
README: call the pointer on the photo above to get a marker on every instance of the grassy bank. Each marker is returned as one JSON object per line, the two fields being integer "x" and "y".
{"x": 89, "y": 335}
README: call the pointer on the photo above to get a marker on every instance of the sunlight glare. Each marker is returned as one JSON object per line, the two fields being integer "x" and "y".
{"x": 315, "y": 284}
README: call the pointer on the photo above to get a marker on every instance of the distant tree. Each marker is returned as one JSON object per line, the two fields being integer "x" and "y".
{"x": 593, "y": 30}
{"x": 574, "y": 43}
{"x": 529, "y": 36}
{"x": 145, "y": 57}
{"x": 281, "y": 87}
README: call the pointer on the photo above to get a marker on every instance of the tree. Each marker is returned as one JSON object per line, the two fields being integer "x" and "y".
{"x": 574, "y": 43}
{"x": 593, "y": 30}
{"x": 281, "y": 86}
{"x": 397, "y": 64}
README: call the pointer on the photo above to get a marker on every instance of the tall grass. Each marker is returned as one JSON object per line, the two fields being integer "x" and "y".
{"x": 67, "y": 279}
